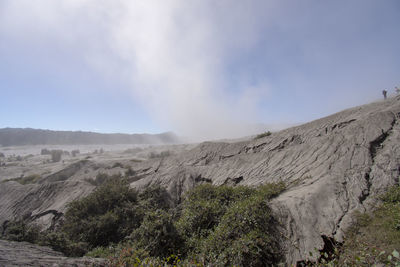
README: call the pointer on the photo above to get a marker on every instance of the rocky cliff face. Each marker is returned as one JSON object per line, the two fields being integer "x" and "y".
{"x": 332, "y": 166}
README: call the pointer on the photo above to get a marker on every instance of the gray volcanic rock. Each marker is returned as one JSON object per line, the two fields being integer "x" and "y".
{"x": 42, "y": 204}
{"x": 332, "y": 166}
{"x": 26, "y": 254}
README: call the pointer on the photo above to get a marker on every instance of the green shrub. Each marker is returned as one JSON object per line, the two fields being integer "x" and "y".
{"x": 153, "y": 198}
{"x": 244, "y": 236}
{"x": 374, "y": 238}
{"x": 107, "y": 215}
{"x": 18, "y": 230}
{"x": 213, "y": 225}
{"x": 129, "y": 172}
{"x": 271, "y": 190}
{"x": 207, "y": 211}
{"x": 117, "y": 165}
{"x": 262, "y": 135}
{"x": 203, "y": 208}
{"x": 162, "y": 154}
{"x": 59, "y": 241}
{"x": 102, "y": 178}
{"x": 30, "y": 179}
{"x": 157, "y": 234}
{"x": 393, "y": 195}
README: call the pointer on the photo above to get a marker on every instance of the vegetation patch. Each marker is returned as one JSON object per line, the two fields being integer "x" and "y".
{"x": 136, "y": 160}
{"x": 107, "y": 215}
{"x": 30, "y": 179}
{"x": 212, "y": 225}
{"x": 117, "y": 165}
{"x": 374, "y": 239}
{"x": 262, "y": 135}
{"x": 162, "y": 154}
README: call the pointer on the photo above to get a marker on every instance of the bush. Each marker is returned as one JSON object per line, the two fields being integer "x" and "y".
{"x": 30, "y": 179}
{"x": 262, "y": 135}
{"x": 45, "y": 151}
{"x": 203, "y": 208}
{"x": 154, "y": 198}
{"x": 244, "y": 236}
{"x": 207, "y": 210}
{"x": 107, "y": 215}
{"x": 59, "y": 241}
{"x": 393, "y": 195}
{"x": 374, "y": 238}
{"x": 129, "y": 172}
{"x": 213, "y": 225}
{"x": 157, "y": 234}
{"x": 162, "y": 154}
{"x": 56, "y": 155}
{"x": 18, "y": 230}
{"x": 117, "y": 165}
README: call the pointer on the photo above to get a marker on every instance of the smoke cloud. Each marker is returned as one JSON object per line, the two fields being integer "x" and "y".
{"x": 179, "y": 51}
{"x": 205, "y": 68}
{"x": 173, "y": 52}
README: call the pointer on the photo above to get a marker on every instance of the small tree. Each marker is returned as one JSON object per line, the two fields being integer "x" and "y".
{"x": 56, "y": 155}
{"x": 45, "y": 151}
{"x": 106, "y": 216}
{"x": 75, "y": 152}
{"x": 262, "y": 135}
{"x": 157, "y": 234}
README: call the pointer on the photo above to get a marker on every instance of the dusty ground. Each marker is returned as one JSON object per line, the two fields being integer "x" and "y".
{"x": 22, "y": 161}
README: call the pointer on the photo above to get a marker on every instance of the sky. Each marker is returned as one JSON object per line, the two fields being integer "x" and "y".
{"x": 204, "y": 69}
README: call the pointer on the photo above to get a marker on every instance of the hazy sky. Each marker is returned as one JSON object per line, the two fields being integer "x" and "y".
{"x": 201, "y": 68}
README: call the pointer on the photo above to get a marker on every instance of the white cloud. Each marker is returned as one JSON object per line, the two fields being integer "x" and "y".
{"x": 173, "y": 51}
{"x": 178, "y": 55}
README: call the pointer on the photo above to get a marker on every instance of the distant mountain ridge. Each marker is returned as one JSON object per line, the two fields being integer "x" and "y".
{"x": 29, "y": 136}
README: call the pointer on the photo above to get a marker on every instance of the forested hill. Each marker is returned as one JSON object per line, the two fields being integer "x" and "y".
{"x": 28, "y": 136}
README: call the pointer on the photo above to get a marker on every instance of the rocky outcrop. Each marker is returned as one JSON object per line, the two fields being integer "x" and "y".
{"x": 332, "y": 166}
{"x": 42, "y": 204}
{"x": 26, "y": 254}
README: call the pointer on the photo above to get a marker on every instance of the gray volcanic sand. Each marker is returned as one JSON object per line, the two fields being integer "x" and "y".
{"x": 33, "y": 163}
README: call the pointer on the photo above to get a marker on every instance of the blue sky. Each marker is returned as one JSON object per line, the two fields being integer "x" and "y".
{"x": 207, "y": 69}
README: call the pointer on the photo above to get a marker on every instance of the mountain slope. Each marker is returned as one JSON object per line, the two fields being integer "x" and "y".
{"x": 332, "y": 166}
{"x": 27, "y": 136}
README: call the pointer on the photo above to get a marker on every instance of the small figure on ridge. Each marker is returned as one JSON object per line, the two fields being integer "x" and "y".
{"x": 384, "y": 92}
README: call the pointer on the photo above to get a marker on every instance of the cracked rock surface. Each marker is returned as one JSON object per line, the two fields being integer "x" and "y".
{"x": 332, "y": 166}
{"x": 26, "y": 254}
